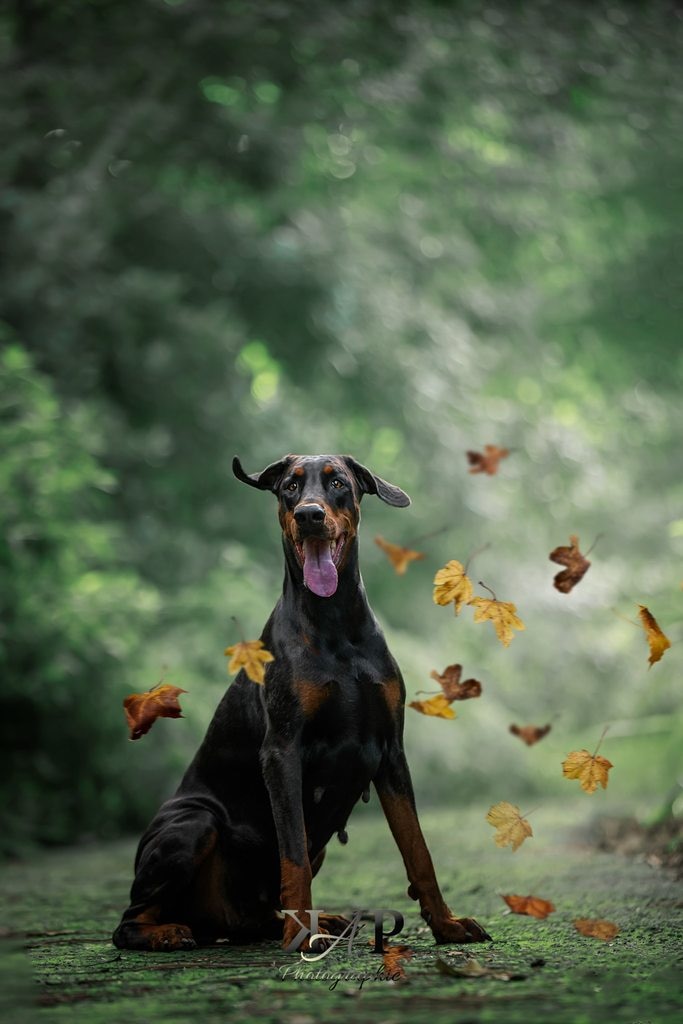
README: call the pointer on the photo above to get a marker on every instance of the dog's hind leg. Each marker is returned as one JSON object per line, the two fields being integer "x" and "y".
{"x": 175, "y": 856}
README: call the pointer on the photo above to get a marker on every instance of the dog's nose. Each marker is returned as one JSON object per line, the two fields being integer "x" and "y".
{"x": 309, "y": 515}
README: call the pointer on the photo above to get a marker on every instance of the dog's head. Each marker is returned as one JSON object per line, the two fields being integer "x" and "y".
{"x": 319, "y": 508}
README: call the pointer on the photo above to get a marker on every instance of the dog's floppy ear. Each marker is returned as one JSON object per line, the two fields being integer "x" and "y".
{"x": 369, "y": 483}
{"x": 268, "y": 479}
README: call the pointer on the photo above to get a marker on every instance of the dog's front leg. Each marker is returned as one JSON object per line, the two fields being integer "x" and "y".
{"x": 395, "y": 790}
{"x": 281, "y": 764}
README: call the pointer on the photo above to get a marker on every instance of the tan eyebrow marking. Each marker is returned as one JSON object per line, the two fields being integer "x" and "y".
{"x": 328, "y": 468}
{"x": 299, "y": 471}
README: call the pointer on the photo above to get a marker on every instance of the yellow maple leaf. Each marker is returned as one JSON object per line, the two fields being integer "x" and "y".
{"x": 452, "y": 584}
{"x": 589, "y": 769}
{"x": 438, "y": 706}
{"x": 511, "y": 828}
{"x": 655, "y": 638}
{"x": 251, "y": 656}
{"x": 399, "y": 557}
{"x": 501, "y": 614}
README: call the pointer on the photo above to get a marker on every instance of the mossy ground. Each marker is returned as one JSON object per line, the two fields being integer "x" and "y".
{"x": 61, "y": 908}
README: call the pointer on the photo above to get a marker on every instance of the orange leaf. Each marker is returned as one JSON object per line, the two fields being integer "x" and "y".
{"x": 590, "y": 769}
{"x": 656, "y": 639}
{"x": 511, "y": 828}
{"x": 533, "y": 906}
{"x": 438, "y": 706}
{"x": 452, "y": 584}
{"x": 450, "y": 683}
{"x": 596, "y": 929}
{"x": 487, "y": 462}
{"x": 249, "y": 655}
{"x": 392, "y": 958}
{"x": 530, "y": 734}
{"x": 577, "y": 565}
{"x": 143, "y": 709}
{"x": 399, "y": 557}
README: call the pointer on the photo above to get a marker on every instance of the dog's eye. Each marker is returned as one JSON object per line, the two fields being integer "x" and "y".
{"x": 337, "y": 484}
{"x": 293, "y": 486}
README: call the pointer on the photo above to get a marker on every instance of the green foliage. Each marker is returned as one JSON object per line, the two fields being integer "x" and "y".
{"x": 260, "y": 228}
{"x": 72, "y": 613}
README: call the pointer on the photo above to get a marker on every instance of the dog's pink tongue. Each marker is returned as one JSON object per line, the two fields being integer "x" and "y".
{"x": 320, "y": 572}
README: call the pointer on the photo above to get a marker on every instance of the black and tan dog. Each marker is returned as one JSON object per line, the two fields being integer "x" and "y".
{"x": 282, "y": 765}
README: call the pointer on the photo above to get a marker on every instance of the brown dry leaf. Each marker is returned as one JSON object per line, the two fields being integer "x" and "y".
{"x": 511, "y": 828}
{"x": 451, "y": 583}
{"x": 473, "y": 969}
{"x": 532, "y": 906}
{"x": 143, "y": 709}
{"x": 594, "y": 928}
{"x": 590, "y": 769}
{"x": 488, "y": 461}
{"x": 655, "y": 638}
{"x": 577, "y": 565}
{"x": 250, "y": 655}
{"x": 392, "y": 958}
{"x": 438, "y": 706}
{"x": 501, "y": 614}
{"x": 530, "y": 734}
{"x": 399, "y": 557}
{"x": 453, "y": 689}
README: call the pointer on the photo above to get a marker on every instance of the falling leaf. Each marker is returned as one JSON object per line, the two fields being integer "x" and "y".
{"x": 596, "y": 929}
{"x": 530, "y": 734}
{"x": 589, "y": 769}
{"x": 453, "y": 689}
{"x": 511, "y": 828}
{"x": 249, "y": 655}
{"x": 656, "y": 639}
{"x": 501, "y": 614}
{"x": 487, "y": 462}
{"x": 532, "y": 906}
{"x": 399, "y": 557}
{"x": 577, "y": 565}
{"x": 438, "y": 706}
{"x": 143, "y": 709}
{"x": 452, "y": 584}
{"x": 473, "y": 969}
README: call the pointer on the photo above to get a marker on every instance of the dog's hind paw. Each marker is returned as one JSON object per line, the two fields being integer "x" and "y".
{"x": 156, "y": 938}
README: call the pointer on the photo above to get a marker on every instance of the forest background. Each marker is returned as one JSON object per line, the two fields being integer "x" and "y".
{"x": 400, "y": 231}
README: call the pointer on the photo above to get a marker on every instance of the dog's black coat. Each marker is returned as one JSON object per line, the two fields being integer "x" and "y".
{"x": 283, "y": 764}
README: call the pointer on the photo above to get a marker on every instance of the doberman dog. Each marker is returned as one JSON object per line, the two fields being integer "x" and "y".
{"x": 283, "y": 764}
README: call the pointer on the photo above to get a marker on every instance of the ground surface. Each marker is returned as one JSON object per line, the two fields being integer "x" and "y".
{"x": 62, "y": 907}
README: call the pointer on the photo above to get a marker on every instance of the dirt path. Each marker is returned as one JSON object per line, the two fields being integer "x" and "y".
{"x": 62, "y": 907}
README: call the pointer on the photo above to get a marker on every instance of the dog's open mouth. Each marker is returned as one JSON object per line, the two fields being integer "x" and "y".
{"x": 319, "y": 558}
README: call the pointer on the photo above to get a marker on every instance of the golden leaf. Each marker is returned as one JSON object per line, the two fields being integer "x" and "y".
{"x": 501, "y": 614}
{"x": 511, "y": 828}
{"x": 453, "y": 689}
{"x": 452, "y": 584}
{"x": 590, "y": 769}
{"x": 249, "y": 655}
{"x": 438, "y": 706}
{"x": 577, "y": 565}
{"x": 655, "y": 638}
{"x": 399, "y": 557}
{"x": 532, "y": 906}
{"x": 487, "y": 462}
{"x": 594, "y": 928}
{"x": 143, "y": 709}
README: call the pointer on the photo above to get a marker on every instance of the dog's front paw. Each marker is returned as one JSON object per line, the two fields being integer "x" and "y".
{"x": 458, "y": 930}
